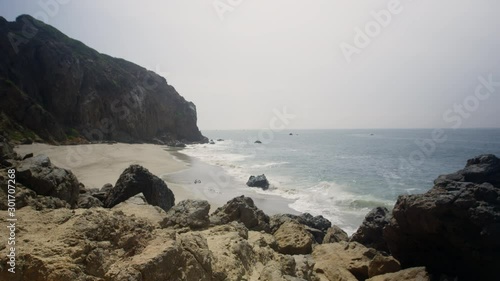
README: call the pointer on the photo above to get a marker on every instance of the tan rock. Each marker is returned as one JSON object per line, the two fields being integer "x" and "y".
{"x": 359, "y": 260}
{"x": 409, "y": 274}
{"x": 293, "y": 239}
{"x": 335, "y": 234}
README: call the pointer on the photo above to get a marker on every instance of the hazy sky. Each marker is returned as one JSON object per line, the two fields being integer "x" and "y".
{"x": 250, "y": 57}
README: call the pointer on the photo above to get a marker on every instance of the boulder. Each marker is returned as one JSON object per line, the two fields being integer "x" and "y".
{"x": 452, "y": 229}
{"x": 241, "y": 209}
{"x": 188, "y": 213}
{"x": 86, "y": 201}
{"x": 335, "y": 234}
{"x": 409, "y": 274}
{"x": 38, "y": 174}
{"x": 317, "y": 225}
{"x": 293, "y": 239}
{"x": 370, "y": 233}
{"x": 359, "y": 260}
{"x": 211, "y": 142}
{"x": 137, "y": 179}
{"x": 258, "y": 181}
{"x": 258, "y": 141}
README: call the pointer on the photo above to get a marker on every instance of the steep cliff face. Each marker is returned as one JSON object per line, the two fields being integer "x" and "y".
{"x": 58, "y": 88}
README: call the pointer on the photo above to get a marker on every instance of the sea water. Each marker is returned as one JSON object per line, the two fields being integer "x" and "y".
{"x": 343, "y": 174}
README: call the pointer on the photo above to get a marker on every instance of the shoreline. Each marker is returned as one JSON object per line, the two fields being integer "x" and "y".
{"x": 98, "y": 164}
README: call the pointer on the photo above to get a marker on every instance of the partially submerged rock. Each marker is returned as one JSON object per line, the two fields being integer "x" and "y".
{"x": 258, "y": 181}
{"x": 137, "y": 179}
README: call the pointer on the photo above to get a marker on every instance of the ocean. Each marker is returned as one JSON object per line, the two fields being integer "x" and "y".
{"x": 341, "y": 174}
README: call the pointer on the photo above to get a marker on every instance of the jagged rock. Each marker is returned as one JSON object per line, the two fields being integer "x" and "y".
{"x": 453, "y": 228}
{"x": 258, "y": 181}
{"x": 317, "y": 226}
{"x": 293, "y": 239}
{"x": 40, "y": 175}
{"x": 137, "y": 179}
{"x": 335, "y": 234}
{"x": 83, "y": 93}
{"x": 188, "y": 213}
{"x": 409, "y": 274}
{"x": 87, "y": 201}
{"x": 103, "y": 192}
{"x": 241, "y": 209}
{"x": 370, "y": 233}
{"x": 331, "y": 260}
{"x": 29, "y": 155}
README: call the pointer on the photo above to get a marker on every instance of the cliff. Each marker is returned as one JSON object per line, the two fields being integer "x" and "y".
{"x": 57, "y": 89}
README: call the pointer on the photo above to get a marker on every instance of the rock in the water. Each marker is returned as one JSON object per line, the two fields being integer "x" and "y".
{"x": 370, "y": 233}
{"x": 220, "y": 139}
{"x": 258, "y": 181}
{"x": 188, "y": 213}
{"x": 452, "y": 229}
{"x": 356, "y": 258}
{"x": 257, "y": 141}
{"x": 241, "y": 209}
{"x": 409, "y": 274}
{"x": 335, "y": 234}
{"x": 293, "y": 239}
{"x": 41, "y": 176}
{"x": 176, "y": 143}
{"x": 137, "y": 179}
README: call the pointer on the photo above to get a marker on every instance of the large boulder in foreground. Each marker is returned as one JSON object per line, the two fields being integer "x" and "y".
{"x": 293, "y": 239}
{"x": 188, "y": 213}
{"x": 258, "y": 181}
{"x": 137, "y": 179}
{"x": 38, "y": 174}
{"x": 370, "y": 233}
{"x": 241, "y": 209}
{"x": 453, "y": 228}
{"x": 351, "y": 261}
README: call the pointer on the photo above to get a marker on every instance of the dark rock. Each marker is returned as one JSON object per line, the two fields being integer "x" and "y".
{"x": 29, "y": 155}
{"x": 137, "y": 179}
{"x": 103, "y": 192}
{"x": 257, "y": 141}
{"x": 291, "y": 134}
{"x": 334, "y": 235}
{"x": 241, "y": 209}
{"x": 188, "y": 213}
{"x": 176, "y": 143}
{"x": 220, "y": 139}
{"x": 41, "y": 176}
{"x": 452, "y": 229}
{"x": 211, "y": 142}
{"x": 317, "y": 226}
{"x": 86, "y": 201}
{"x": 258, "y": 181}
{"x": 61, "y": 89}
{"x": 370, "y": 233}
{"x": 6, "y": 150}
{"x": 27, "y": 141}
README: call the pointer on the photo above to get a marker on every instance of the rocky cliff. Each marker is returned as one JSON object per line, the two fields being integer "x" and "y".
{"x": 57, "y": 89}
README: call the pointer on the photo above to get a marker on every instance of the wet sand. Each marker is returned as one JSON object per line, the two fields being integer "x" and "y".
{"x": 97, "y": 164}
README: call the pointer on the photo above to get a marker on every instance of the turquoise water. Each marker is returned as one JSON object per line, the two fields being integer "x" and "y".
{"x": 342, "y": 174}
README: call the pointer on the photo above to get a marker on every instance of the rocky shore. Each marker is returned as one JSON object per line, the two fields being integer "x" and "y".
{"x": 135, "y": 230}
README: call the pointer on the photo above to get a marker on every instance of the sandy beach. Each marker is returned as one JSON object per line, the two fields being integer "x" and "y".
{"x": 97, "y": 164}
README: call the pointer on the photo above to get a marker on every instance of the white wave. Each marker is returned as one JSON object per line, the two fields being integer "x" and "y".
{"x": 267, "y": 165}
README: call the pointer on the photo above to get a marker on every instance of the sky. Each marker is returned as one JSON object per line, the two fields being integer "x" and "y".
{"x": 325, "y": 64}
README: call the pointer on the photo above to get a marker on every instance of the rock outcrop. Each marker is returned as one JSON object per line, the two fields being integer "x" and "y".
{"x": 137, "y": 179}
{"x": 335, "y": 234}
{"x": 188, "y": 213}
{"x": 317, "y": 225}
{"x": 38, "y": 174}
{"x": 258, "y": 181}
{"x": 293, "y": 239}
{"x": 452, "y": 229}
{"x": 241, "y": 209}
{"x": 351, "y": 261}
{"x": 57, "y": 89}
{"x": 370, "y": 233}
